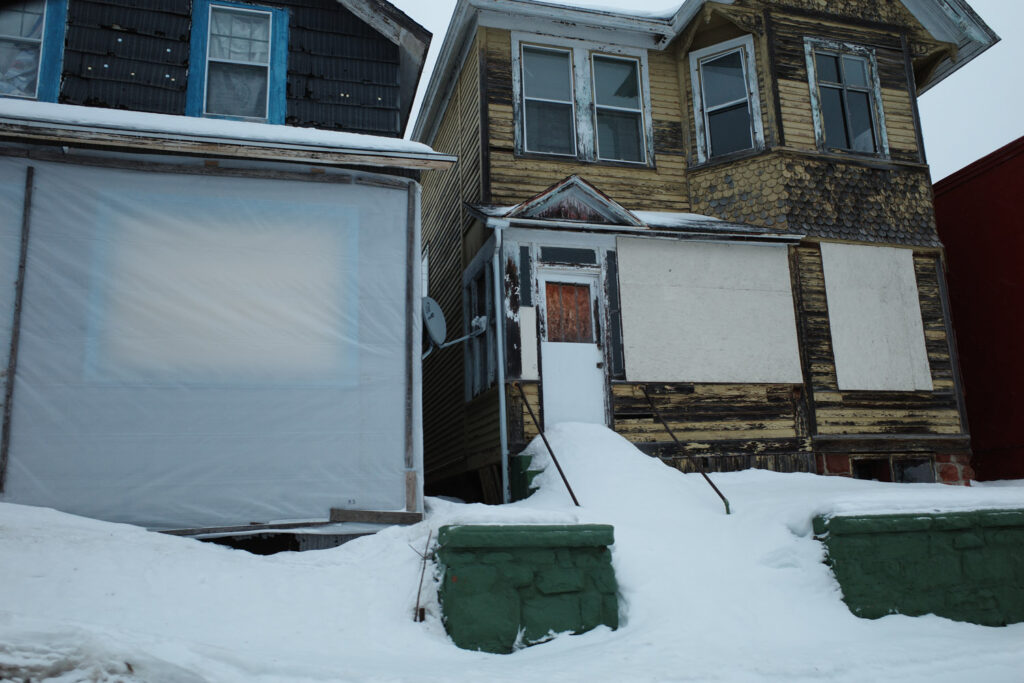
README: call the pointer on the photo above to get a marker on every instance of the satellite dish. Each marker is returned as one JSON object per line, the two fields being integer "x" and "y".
{"x": 433, "y": 320}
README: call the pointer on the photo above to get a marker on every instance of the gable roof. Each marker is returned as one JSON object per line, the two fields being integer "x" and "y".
{"x": 951, "y": 21}
{"x": 574, "y": 199}
{"x": 412, "y": 40}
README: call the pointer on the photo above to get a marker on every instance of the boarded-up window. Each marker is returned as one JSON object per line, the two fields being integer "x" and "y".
{"x": 569, "y": 313}
{"x": 875, "y": 317}
{"x": 700, "y": 312}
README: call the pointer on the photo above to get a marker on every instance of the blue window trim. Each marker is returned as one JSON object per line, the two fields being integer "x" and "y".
{"x": 195, "y": 93}
{"x": 51, "y": 55}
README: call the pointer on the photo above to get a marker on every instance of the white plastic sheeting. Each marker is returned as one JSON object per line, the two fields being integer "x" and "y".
{"x": 875, "y": 316}
{"x": 204, "y": 351}
{"x": 707, "y": 312}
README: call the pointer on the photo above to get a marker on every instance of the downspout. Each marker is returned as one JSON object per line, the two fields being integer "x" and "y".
{"x": 499, "y": 348}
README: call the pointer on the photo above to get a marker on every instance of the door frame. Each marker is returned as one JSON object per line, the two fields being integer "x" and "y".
{"x": 588, "y": 275}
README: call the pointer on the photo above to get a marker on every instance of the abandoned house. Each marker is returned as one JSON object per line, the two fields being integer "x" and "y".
{"x": 209, "y": 310}
{"x": 721, "y": 219}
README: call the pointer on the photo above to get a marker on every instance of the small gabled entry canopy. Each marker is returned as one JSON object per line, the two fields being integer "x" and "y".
{"x": 574, "y": 199}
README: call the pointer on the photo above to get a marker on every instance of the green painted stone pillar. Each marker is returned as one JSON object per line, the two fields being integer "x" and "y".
{"x": 505, "y": 587}
{"x": 966, "y": 566}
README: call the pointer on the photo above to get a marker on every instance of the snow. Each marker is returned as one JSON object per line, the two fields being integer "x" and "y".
{"x": 194, "y": 127}
{"x": 704, "y": 596}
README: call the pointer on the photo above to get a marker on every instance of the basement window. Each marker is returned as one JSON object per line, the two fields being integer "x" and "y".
{"x": 581, "y": 100}
{"x": 726, "y": 104}
{"x": 31, "y": 48}
{"x": 238, "y": 55}
{"x": 845, "y": 97}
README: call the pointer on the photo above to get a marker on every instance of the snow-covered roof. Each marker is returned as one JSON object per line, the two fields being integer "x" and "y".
{"x": 113, "y": 127}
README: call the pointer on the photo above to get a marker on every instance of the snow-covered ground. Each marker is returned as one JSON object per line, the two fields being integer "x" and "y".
{"x": 704, "y": 596}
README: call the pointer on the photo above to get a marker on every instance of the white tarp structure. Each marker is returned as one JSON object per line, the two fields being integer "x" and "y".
{"x": 200, "y": 350}
{"x": 875, "y": 316}
{"x": 707, "y": 312}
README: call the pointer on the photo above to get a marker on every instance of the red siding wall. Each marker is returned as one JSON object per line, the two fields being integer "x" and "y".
{"x": 979, "y": 210}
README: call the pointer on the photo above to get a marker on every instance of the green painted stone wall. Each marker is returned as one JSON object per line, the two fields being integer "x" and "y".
{"x": 505, "y": 587}
{"x": 966, "y": 566}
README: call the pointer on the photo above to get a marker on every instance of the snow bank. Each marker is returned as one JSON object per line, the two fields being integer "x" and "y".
{"x": 705, "y": 596}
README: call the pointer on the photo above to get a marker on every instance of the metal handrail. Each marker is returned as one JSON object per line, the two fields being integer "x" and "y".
{"x": 700, "y": 468}
{"x": 545, "y": 439}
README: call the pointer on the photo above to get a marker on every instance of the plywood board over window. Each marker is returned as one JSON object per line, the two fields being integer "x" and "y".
{"x": 702, "y": 312}
{"x": 875, "y": 317}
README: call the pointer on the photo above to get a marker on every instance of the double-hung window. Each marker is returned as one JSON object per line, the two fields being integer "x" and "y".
{"x": 581, "y": 100}
{"x": 31, "y": 47}
{"x": 845, "y": 96}
{"x": 548, "y": 103}
{"x": 618, "y": 110}
{"x": 726, "y": 104}
{"x": 238, "y": 56}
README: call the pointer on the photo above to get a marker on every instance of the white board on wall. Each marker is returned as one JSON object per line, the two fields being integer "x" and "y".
{"x": 707, "y": 312}
{"x": 875, "y": 316}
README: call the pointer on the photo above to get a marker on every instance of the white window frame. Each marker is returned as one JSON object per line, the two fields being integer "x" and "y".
{"x": 608, "y": 107}
{"x": 745, "y": 46}
{"x": 585, "y": 110}
{"x": 39, "y": 62}
{"x": 831, "y": 47}
{"x": 571, "y": 101}
{"x": 268, "y": 66}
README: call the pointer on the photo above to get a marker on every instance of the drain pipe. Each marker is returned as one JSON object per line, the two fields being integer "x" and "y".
{"x": 499, "y": 348}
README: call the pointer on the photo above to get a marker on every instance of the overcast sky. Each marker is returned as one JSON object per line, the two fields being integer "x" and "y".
{"x": 973, "y": 112}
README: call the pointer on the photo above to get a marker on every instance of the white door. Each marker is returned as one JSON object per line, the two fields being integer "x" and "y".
{"x": 572, "y": 364}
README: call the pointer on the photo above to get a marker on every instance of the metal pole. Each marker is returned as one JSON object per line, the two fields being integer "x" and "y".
{"x": 12, "y": 359}
{"x": 499, "y": 350}
{"x": 700, "y": 468}
{"x": 545, "y": 440}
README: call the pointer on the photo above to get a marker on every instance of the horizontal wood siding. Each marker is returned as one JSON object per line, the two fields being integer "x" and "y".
{"x": 732, "y": 425}
{"x": 521, "y": 428}
{"x": 876, "y": 412}
{"x": 444, "y": 220}
{"x": 514, "y": 179}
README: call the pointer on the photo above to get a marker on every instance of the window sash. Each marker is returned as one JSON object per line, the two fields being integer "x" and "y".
{"x": 750, "y": 103}
{"x": 213, "y": 7}
{"x": 17, "y": 40}
{"x": 570, "y": 103}
{"x": 638, "y": 111}
{"x": 871, "y": 140}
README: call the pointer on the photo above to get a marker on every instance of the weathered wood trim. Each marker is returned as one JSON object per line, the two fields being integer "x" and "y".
{"x": 19, "y": 293}
{"x": 954, "y": 356}
{"x": 485, "y": 129}
{"x": 912, "y": 91}
{"x": 891, "y": 443}
{"x": 240, "y": 528}
{"x": 773, "y": 71}
{"x": 375, "y": 516}
{"x": 68, "y": 134}
{"x": 801, "y": 332}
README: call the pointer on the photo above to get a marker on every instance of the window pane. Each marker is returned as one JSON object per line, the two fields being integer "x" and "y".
{"x": 833, "y": 118}
{"x": 855, "y": 71}
{"x": 549, "y": 128}
{"x": 862, "y": 133}
{"x": 23, "y": 19}
{"x": 723, "y": 79}
{"x": 827, "y": 67}
{"x": 19, "y": 68}
{"x": 242, "y": 36}
{"x": 546, "y": 75}
{"x": 619, "y": 135}
{"x": 236, "y": 90}
{"x": 617, "y": 83}
{"x": 729, "y": 130}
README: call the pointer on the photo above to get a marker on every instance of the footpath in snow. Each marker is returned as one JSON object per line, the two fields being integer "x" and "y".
{"x": 704, "y": 596}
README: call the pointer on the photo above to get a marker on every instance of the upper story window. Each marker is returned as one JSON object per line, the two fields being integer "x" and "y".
{"x": 238, "y": 61}
{"x": 31, "y": 47}
{"x": 726, "y": 104}
{"x": 581, "y": 100}
{"x": 845, "y": 97}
